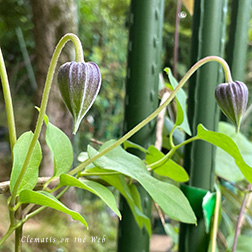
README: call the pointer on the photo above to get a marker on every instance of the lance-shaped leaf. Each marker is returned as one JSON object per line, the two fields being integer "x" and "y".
{"x": 46, "y": 199}
{"x": 61, "y": 148}
{"x": 228, "y": 145}
{"x": 79, "y": 84}
{"x": 167, "y": 196}
{"x": 20, "y": 150}
{"x": 101, "y": 191}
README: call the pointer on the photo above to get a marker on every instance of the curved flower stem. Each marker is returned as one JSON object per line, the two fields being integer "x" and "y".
{"x": 159, "y": 109}
{"x": 48, "y": 83}
{"x": 8, "y": 102}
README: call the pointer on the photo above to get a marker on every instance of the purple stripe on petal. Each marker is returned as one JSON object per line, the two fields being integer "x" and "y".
{"x": 79, "y": 84}
{"x": 232, "y": 98}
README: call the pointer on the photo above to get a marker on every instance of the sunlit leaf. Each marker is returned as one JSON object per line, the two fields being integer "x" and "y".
{"x": 226, "y": 166}
{"x": 19, "y": 154}
{"x": 168, "y": 197}
{"x": 101, "y": 191}
{"x": 61, "y": 148}
{"x": 82, "y": 156}
{"x": 119, "y": 182}
{"x": 228, "y": 145}
{"x": 169, "y": 168}
{"x": 46, "y": 199}
{"x": 172, "y": 231}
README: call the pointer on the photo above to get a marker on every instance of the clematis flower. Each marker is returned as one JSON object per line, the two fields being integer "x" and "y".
{"x": 79, "y": 84}
{"x": 232, "y": 98}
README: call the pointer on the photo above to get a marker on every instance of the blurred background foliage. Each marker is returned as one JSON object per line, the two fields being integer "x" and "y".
{"x": 103, "y": 30}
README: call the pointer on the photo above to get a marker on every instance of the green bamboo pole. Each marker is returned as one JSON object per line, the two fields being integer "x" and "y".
{"x": 144, "y": 48}
{"x": 238, "y": 38}
{"x": 208, "y": 36}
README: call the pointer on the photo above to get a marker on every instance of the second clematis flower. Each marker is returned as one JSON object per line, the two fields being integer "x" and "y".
{"x": 232, "y": 98}
{"x": 79, "y": 84}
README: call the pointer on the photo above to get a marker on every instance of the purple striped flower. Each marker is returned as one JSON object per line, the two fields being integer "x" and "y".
{"x": 79, "y": 84}
{"x": 232, "y": 98}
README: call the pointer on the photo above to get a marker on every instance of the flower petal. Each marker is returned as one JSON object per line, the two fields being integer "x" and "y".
{"x": 232, "y": 98}
{"x": 79, "y": 84}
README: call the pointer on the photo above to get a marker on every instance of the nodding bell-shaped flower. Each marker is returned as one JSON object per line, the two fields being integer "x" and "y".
{"x": 232, "y": 98}
{"x": 79, "y": 84}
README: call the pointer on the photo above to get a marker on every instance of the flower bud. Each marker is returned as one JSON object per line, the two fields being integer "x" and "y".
{"x": 232, "y": 98}
{"x": 79, "y": 84}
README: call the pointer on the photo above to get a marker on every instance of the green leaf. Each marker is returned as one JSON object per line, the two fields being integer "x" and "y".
{"x": 19, "y": 154}
{"x": 135, "y": 195}
{"x": 226, "y": 166}
{"x": 227, "y": 144}
{"x": 172, "y": 231}
{"x": 168, "y": 197}
{"x": 82, "y": 156}
{"x": 119, "y": 182}
{"x": 169, "y": 168}
{"x": 101, "y": 191}
{"x": 181, "y": 119}
{"x": 128, "y": 144}
{"x": 46, "y": 199}
{"x": 61, "y": 148}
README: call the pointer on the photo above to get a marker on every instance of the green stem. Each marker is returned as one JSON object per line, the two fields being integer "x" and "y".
{"x": 47, "y": 183}
{"x": 48, "y": 83}
{"x": 86, "y": 174}
{"x": 8, "y": 102}
{"x": 21, "y": 222}
{"x": 6, "y": 235}
{"x": 28, "y": 209}
{"x": 18, "y": 236}
{"x": 156, "y": 164}
{"x": 171, "y": 136}
{"x": 159, "y": 109}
